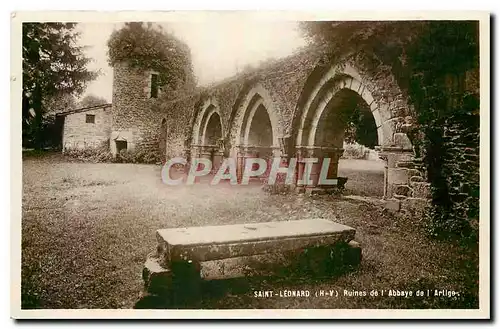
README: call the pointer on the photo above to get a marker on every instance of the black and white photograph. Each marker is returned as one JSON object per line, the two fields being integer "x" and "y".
{"x": 180, "y": 164}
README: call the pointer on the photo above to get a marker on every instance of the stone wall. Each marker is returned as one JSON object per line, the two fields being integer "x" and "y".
{"x": 411, "y": 193}
{"x": 78, "y": 134}
{"x": 461, "y": 169}
{"x": 134, "y": 118}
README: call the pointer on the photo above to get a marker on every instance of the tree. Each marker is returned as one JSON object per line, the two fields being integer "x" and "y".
{"x": 53, "y": 64}
{"x": 148, "y": 46}
{"x": 59, "y": 103}
{"x": 92, "y": 100}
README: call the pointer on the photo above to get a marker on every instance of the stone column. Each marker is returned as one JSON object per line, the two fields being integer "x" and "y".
{"x": 322, "y": 153}
{"x": 217, "y": 159}
{"x": 240, "y": 160}
{"x": 218, "y": 155}
{"x": 187, "y": 154}
{"x": 194, "y": 154}
{"x": 312, "y": 184}
{"x": 195, "y": 151}
{"x": 334, "y": 155}
{"x": 245, "y": 153}
{"x": 268, "y": 154}
{"x": 280, "y": 152}
{"x": 396, "y": 173}
{"x": 301, "y": 153}
{"x": 206, "y": 153}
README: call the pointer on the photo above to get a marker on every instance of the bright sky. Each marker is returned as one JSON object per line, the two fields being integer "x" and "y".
{"x": 219, "y": 48}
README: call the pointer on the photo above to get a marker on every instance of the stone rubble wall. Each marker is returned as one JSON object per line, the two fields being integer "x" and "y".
{"x": 461, "y": 168}
{"x": 411, "y": 191}
{"x": 133, "y": 115}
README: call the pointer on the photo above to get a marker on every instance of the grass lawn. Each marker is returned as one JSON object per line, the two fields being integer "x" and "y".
{"x": 87, "y": 229}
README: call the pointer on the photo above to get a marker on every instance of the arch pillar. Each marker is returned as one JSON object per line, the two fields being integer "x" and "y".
{"x": 245, "y": 152}
{"x": 321, "y": 153}
{"x": 397, "y": 172}
{"x": 390, "y": 115}
{"x": 255, "y": 104}
{"x": 218, "y": 155}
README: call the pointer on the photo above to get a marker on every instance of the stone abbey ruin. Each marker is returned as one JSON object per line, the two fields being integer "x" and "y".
{"x": 292, "y": 107}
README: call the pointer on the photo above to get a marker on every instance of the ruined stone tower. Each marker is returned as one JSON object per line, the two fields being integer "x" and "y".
{"x": 134, "y": 122}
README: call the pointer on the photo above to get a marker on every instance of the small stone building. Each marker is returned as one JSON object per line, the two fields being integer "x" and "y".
{"x": 86, "y": 128}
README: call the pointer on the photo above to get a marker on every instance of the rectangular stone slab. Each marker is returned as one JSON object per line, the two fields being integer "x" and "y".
{"x": 206, "y": 243}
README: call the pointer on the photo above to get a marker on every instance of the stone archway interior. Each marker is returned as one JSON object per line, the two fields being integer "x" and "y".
{"x": 213, "y": 132}
{"x": 260, "y": 133}
{"x": 257, "y": 137}
{"x": 347, "y": 123}
{"x": 348, "y": 118}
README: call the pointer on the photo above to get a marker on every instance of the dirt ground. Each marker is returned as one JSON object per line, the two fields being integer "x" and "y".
{"x": 87, "y": 229}
{"x": 364, "y": 177}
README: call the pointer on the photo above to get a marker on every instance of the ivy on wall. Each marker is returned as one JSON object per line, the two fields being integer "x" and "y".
{"x": 148, "y": 47}
{"x": 436, "y": 65}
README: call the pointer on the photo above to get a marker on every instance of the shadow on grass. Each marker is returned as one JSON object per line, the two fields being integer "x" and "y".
{"x": 316, "y": 266}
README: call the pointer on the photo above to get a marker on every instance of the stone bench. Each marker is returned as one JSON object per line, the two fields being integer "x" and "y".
{"x": 180, "y": 251}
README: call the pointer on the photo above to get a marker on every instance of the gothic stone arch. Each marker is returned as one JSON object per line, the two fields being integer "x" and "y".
{"x": 255, "y": 127}
{"x": 245, "y": 112}
{"x": 208, "y": 119}
{"x": 394, "y": 145}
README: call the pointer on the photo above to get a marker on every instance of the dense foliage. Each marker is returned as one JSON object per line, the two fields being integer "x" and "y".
{"x": 92, "y": 100}
{"x": 361, "y": 128}
{"x": 60, "y": 103}
{"x": 53, "y": 64}
{"x": 149, "y": 47}
{"x": 436, "y": 64}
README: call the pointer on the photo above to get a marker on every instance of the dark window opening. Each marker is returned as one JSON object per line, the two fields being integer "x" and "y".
{"x": 121, "y": 145}
{"x": 90, "y": 118}
{"x": 154, "y": 85}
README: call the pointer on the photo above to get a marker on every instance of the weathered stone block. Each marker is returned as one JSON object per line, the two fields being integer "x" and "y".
{"x": 402, "y": 140}
{"x": 414, "y": 179}
{"x": 353, "y": 254}
{"x": 421, "y": 190}
{"x": 392, "y": 205}
{"x": 157, "y": 279}
{"x": 397, "y": 176}
{"x": 386, "y": 131}
{"x": 414, "y": 172}
{"x": 365, "y": 94}
{"x": 206, "y": 243}
{"x": 399, "y": 197}
{"x": 405, "y": 164}
{"x": 402, "y": 190}
{"x": 393, "y": 157}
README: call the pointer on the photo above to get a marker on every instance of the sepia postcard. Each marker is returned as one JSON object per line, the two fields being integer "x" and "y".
{"x": 250, "y": 165}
